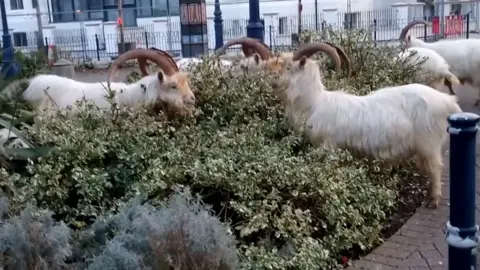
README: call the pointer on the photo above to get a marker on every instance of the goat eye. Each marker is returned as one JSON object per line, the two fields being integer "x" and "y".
{"x": 174, "y": 87}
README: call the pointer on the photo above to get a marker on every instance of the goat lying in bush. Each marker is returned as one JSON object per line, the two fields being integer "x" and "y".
{"x": 252, "y": 63}
{"x": 391, "y": 124}
{"x": 462, "y": 55}
{"x": 170, "y": 90}
{"x": 434, "y": 66}
{"x": 184, "y": 64}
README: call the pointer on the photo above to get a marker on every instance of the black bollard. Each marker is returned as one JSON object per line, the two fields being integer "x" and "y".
{"x": 461, "y": 234}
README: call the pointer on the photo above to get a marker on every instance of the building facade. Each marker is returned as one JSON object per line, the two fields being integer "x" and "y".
{"x": 90, "y": 25}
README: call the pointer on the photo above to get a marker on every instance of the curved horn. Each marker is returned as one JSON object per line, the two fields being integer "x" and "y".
{"x": 142, "y": 61}
{"x": 263, "y": 51}
{"x": 249, "y": 51}
{"x": 344, "y": 57}
{"x": 308, "y": 50}
{"x": 152, "y": 55}
{"x": 407, "y": 27}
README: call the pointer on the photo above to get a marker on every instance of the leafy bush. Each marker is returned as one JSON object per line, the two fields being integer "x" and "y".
{"x": 32, "y": 240}
{"x": 291, "y": 205}
{"x": 181, "y": 234}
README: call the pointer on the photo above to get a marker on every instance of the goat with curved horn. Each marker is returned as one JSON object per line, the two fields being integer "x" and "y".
{"x": 326, "y": 117}
{"x": 170, "y": 90}
{"x": 142, "y": 62}
{"x": 310, "y": 49}
{"x": 404, "y": 32}
{"x": 248, "y": 51}
{"x": 254, "y": 44}
{"x": 173, "y": 87}
{"x": 144, "y": 54}
{"x": 344, "y": 57}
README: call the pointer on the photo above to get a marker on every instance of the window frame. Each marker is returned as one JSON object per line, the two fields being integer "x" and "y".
{"x": 91, "y": 7}
{"x": 16, "y": 5}
{"x": 22, "y": 38}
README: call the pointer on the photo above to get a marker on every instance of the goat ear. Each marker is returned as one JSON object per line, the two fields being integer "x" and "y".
{"x": 160, "y": 77}
{"x": 256, "y": 57}
{"x": 302, "y": 61}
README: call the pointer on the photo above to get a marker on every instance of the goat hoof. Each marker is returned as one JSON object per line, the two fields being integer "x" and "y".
{"x": 477, "y": 102}
{"x": 432, "y": 203}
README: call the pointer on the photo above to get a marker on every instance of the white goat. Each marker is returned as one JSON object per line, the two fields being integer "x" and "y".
{"x": 463, "y": 55}
{"x": 171, "y": 90}
{"x": 184, "y": 64}
{"x": 276, "y": 63}
{"x": 256, "y": 53}
{"x": 434, "y": 66}
{"x": 187, "y": 64}
{"x": 392, "y": 123}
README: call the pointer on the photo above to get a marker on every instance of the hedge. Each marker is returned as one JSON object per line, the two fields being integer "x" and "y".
{"x": 276, "y": 201}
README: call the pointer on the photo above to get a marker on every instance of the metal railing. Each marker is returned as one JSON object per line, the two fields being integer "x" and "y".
{"x": 78, "y": 45}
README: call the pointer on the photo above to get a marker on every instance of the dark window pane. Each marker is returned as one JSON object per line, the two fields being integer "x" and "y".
{"x": 20, "y": 39}
{"x": 16, "y": 4}
{"x": 110, "y": 2}
{"x": 95, "y": 9}
{"x": 64, "y": 9}
{"x": 174, "y": 7}
{"x": 144, "y": 8}
{"x": 112, "y": 15}
{"x": 129, "y": 18}
{"x": 159, "y": 8}
{"x": 96, "y": 15}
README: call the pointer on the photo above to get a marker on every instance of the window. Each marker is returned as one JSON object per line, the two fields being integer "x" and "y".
{"x": 20, "y": 39}
{"x": 95, "y": 8}
{"x": 282, "y": 25}
{"x": 144, "y": 8}
{"x": 157, "y": 8}
{"x": 112, "y": 15}
{"x": 65, "y": 10}
{"x": 115, "y": 3}
{"x": 16, "y": 4}
{"x": 129, "y": 18}
{"x": 174, "y": 7}
{"x": 34, "y": 3}
{"x": 456, "y": 9}
{"x": 351, "y": 20}
{"x": 429, "y": 12}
